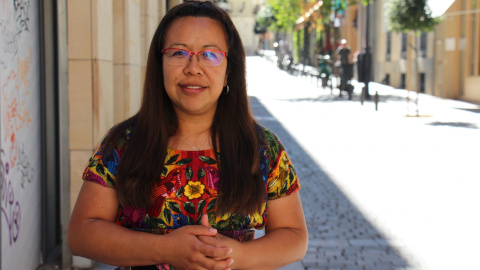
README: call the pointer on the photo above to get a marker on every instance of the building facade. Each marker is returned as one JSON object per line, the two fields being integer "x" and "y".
{"x": 457, "y": 52}
{"x": 444, "y": 63}
{"x": 242, "y": 13}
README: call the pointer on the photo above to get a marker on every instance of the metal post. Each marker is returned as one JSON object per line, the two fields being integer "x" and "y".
{"x": 63, "y": 126}
{"x": 367, "y": 58}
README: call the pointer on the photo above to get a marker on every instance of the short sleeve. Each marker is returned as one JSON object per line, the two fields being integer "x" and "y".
{"x": 102, "y": 167}
{"x": 282, "y": 179}
{"x": 99, "y": 171}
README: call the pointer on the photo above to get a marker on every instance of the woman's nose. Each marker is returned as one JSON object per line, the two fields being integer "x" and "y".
{"x": 193, "y": 65}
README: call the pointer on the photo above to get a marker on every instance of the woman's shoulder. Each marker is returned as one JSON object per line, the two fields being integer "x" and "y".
{"x": 118, "y": 136}
{"x": 270, "y": 141}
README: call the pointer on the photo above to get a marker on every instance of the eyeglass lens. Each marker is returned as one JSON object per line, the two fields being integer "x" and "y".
{"x": 181, "y": 57}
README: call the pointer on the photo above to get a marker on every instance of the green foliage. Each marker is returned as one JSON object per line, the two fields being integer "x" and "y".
{"x": 285, "y": 13}
{"x": 298, "y": 43}
{"x": 281, "y": 15}
{"x": 318, "y": 36}
{"x": 411, "y": 15}
{"x": 338, "y": 6}
{"x": 264, "y": 19}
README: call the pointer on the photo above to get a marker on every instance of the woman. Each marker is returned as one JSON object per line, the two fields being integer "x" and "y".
{"x": 191, "y": 175}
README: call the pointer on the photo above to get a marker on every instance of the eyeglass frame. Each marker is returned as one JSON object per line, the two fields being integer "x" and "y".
{"x": 225, "y": 54}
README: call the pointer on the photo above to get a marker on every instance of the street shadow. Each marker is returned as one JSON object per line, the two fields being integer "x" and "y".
{"x": 340, "y": 236}
{"x": 326, "y": 95}
{"x": 454, "y": 124}
{"x": 469, "y": 110}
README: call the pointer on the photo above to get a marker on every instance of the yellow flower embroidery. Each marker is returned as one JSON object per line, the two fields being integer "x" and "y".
{"x": 194, "y": 190}
{"x": 257, "y": 218}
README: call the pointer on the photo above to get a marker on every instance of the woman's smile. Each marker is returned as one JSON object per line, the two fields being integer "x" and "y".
{"x": 192, "y": 88}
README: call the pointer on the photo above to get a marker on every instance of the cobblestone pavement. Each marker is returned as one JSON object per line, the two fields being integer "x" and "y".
{"x": 379, "y": 190}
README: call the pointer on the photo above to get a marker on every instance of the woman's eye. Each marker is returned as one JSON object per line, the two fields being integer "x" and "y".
{"x": 179, "y": 53}
{"x": 209, "y": 55}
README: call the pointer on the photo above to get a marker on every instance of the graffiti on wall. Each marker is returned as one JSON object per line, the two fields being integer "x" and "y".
{"x": 20, "y": 150}
{"x": 10, "y": 207}
{"x": 15, "y": 118}
{"x": 14, "y": 21}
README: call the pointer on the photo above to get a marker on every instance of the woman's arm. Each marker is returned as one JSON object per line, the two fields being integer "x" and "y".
{"x": 92, "y": 233}
{"x": 285, "y": 241}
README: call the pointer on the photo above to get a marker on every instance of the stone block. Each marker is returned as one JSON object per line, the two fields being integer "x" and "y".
{"x": 133, "y": 31}
{"x": 133, "y": 88}
{"x": 102, "y": 98}
{"x": 81, "y": 103}
{"x": 102, "y": 34}
{"x": 119, "y": 93}
{"x": 119, "y": 32}
{"x": 79, "y": 29}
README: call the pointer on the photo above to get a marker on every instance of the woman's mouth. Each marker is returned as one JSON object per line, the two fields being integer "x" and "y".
{"x": 192, "y": 88}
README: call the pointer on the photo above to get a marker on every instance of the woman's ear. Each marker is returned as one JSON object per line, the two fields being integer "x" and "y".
{"x": 226, "y": 79}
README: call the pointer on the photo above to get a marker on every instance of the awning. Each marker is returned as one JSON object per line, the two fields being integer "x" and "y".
{"x": 439, "y": 7}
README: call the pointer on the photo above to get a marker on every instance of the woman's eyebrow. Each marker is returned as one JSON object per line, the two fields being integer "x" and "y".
{"x": 177, "y": 44}
{"x": 211, "y": 45}
{"x": 173, "y": 45}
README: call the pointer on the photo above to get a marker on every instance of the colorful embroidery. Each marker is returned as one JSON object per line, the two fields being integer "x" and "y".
{"x": 188, "y": 186}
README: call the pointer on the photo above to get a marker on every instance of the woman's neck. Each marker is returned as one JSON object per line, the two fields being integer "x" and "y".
{"x": 192, "y": 134}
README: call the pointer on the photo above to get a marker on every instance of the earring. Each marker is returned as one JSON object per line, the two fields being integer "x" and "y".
{"x": 228, "y": 89}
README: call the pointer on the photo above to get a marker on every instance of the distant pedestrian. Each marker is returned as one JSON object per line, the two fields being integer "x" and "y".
{"x": 343, "y": 54}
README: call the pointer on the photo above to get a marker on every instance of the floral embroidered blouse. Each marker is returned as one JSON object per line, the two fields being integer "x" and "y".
{"x": 188, "y": 189}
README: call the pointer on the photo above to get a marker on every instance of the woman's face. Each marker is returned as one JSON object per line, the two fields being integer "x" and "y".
{"x": 193, "y": 87}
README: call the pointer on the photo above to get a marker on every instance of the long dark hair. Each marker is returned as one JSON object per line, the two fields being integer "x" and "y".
{"x": 234, "y": 131}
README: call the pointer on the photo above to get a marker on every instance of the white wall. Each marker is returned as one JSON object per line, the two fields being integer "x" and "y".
{"x": 20, "y": 134}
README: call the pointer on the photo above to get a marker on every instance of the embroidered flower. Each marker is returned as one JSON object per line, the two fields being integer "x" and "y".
{"x": 194, "y": 190}
{"x": 257, "y": 218}
{"x": 134, "y": 217}
{"x": 179, "y": 220}
{"x": 212, "y": 177}
{"x": 164, "y": 267}
{"x": 111, "y": 162}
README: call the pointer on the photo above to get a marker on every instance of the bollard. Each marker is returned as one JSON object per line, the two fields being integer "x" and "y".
{"x": 362, "y": 96}
{"x": 376, "y": 101}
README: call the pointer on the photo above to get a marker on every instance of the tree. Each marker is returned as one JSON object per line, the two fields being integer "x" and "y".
{"x": 281, "y": 16}
{"x": 286, "y": 13}
{"x": 264, "y": 19}
{"x": 411, "y": 15}
{"x": 415, "y": 16}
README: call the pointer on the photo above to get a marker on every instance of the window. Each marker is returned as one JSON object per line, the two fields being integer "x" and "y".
{"x": 404, "y": 45}
{"x": 422, "y": 82}
{"x": 389, "y": 47}
{"x": 474, "y": 63}
{"x": 423, "y": 44}
{"x": 403, "y": 80}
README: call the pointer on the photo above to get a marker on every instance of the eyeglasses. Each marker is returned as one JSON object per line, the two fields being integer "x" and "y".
{"x": 180, "y": 57}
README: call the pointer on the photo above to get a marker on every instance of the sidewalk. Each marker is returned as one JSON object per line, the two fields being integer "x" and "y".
{"x": 380, "y": 190}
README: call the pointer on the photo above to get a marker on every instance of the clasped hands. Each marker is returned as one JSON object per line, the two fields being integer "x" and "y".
{"x": 201, "y": 247}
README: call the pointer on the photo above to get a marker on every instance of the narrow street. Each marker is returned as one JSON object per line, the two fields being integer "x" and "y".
{"x": 380, "y": 190}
